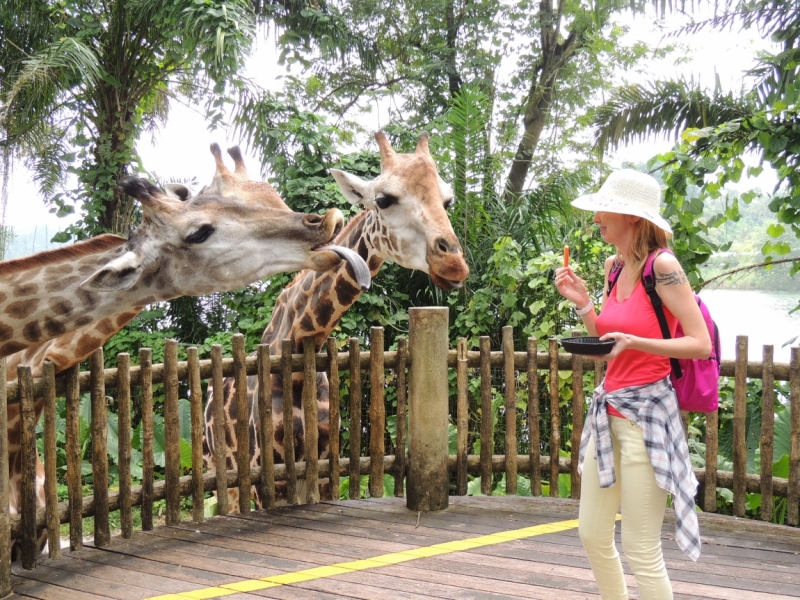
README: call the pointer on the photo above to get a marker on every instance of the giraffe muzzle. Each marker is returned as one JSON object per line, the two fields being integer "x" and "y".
{"x": 360, "y": 268}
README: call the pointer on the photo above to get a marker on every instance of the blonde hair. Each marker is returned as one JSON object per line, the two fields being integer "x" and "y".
{"x": 647, "y": 238}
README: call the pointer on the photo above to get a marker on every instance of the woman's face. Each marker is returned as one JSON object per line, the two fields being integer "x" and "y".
{"x": 615, "y": 228}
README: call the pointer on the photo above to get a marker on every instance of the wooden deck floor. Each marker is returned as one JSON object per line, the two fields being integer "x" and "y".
{"x": 231, "y": 556}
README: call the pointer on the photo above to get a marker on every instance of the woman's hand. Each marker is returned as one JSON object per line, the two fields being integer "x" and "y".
{"x": 623, "y": 341}
{"x": 571, "y": 287}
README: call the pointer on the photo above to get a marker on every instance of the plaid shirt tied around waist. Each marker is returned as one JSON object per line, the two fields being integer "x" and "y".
{"x": 654, "y": 408}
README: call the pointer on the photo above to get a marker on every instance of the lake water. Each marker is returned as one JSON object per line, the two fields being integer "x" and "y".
{"x": 762, "y": 316}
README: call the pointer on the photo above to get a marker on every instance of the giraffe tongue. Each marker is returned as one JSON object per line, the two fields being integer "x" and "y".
{"x": 363, "y": 277}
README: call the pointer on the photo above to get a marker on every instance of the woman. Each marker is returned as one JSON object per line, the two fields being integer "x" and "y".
{"x": 633, "y": 450}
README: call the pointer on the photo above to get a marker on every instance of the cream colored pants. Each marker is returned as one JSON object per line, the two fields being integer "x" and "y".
{"x": 642, "y": 508}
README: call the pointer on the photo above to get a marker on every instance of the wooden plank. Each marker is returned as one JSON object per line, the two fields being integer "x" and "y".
{"x": 124, "y": 447}
{"x": 84, "y": 584}
{"x": 310, "y": 413}
{"x": 739, "y": 427}
{"x": 242, "y": 423}
{"x": 288, "y": 421}
{"x": 462, "y": 417}
{"x": 50, "y": 474}
{"x": 793, "y": 496}
{"x": 113, "y": 575}
{"x": 196, "y": 400}
{"x": 220, "y": 428}
{"x": 27, "y": 507}
{"x": 534, "y": 432}
{"x": 355, "y": 420}
{"x": 5, "y": 523}
{"x": 577, "y": 421}
{"x": 400, "y": 441}
{"x": 148, "y": 465}
{"x": 30, "y": 588}
{"x": 555, "y": 418}
{"x": 487, "y": 425}
{"x": 335, "y": 419}
{"x": 377, "y": 412}
{"x": 199, "y": 577}
{"x": 511, "y": 410}
{"x": 767, "y": 432}
{"x": 73, "y": 451}
{"x": 176, "y": 555}
{"x": 265, "y": 431}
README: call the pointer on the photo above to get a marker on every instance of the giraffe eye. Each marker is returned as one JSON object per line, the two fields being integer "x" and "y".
{"x": 201, "y": 235}
{"x": 385, "y": 200}
{"x": 448, "y": 204}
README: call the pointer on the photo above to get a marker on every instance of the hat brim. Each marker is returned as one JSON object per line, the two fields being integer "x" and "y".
{"x": 598, "y": 202}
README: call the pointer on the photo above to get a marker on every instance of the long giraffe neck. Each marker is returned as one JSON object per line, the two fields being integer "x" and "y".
{"x": 41, "y": 297}
{"x": 311, "y": 306}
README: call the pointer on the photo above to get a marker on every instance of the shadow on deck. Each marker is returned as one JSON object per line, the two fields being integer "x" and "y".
{"x": 480, "y": 547}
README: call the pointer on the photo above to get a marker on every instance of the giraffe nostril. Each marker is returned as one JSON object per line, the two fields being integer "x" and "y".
{"x": 444, "y": 246}
{"x": 312, "y": 219}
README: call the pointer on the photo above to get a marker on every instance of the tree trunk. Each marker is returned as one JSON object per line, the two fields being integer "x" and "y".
{"x": 554, "y": 56}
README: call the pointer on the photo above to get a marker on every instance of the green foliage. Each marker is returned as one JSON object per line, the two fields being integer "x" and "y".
{"x": 344, "y": 487}
{"x": 78, "y": 90}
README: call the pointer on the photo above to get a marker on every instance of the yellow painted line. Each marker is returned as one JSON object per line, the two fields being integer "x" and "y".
{"x": 371, "y": 563}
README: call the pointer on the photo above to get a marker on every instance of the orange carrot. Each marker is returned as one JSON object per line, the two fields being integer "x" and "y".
{"x": 566, "y": 256}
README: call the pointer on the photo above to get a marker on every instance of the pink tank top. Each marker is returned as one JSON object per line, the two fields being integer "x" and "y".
{"x": 634, "y": 315}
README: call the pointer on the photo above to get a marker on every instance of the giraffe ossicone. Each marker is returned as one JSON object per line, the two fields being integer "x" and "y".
{"x": 404, "y": 219}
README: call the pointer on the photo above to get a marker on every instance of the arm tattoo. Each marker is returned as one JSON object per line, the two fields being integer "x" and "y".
{"x": 675, "y": 278}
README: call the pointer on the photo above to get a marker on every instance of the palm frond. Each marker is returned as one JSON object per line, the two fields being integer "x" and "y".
{"x": 635, "y": 112}
{"x": 62, "y": 65}
{"x": 777, "y": 18}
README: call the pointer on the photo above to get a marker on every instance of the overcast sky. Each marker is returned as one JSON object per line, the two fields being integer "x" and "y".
{"x": 180, "y": 149}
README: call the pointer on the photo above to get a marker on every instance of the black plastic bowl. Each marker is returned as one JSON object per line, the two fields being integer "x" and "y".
{"x": 591, "y": 346}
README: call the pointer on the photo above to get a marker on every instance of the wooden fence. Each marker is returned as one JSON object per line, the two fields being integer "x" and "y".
{"x": 427, "y": 360}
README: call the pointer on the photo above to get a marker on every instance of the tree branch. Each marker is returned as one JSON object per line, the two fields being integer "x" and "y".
{"x": 745, "y": 268}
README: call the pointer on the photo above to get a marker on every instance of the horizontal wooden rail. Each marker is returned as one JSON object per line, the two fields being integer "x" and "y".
{"x": 755, "y": 369}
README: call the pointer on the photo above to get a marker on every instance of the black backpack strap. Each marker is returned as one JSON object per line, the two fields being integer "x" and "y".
{"x": 649, "y": 282}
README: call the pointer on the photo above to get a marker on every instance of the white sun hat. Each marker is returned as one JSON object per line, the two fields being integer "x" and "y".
{"x": 627, "y": 192}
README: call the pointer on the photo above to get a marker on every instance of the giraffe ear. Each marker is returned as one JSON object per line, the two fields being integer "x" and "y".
{"x": 120, "y": 274}
{"x": 178, "y": 191}
{"x": 354, "y": 189}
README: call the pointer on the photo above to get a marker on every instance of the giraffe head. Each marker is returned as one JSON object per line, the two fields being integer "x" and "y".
{"x": 194, "y": 245}
{"x": 410, "y": 201}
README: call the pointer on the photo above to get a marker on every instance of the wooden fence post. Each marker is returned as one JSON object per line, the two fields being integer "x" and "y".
{"x": 739, "y": 416}
{"x": 793, "y": 491}
{"x": 377, "y": 412}
{"x": 310, "y": 411}
{"x": 172, "y": 434}
{"x": 242, "y": 429}
{"x": 125, "y": 450}
{"x": 487, "y": 417}
{"x": 462, "y": 417}
{"x": 427, "y": 408}
{"x": 511, "y": 410}
{"x": 5, "y": 521}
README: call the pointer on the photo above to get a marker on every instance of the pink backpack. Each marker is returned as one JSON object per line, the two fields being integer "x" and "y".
{"x": 696, "y": 381}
